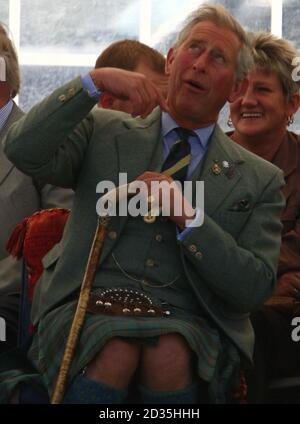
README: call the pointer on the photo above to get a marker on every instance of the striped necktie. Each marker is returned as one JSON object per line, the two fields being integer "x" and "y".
{"x": 178, "y": 160}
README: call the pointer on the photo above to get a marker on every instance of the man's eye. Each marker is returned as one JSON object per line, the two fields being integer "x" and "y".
{"x": 195, "y": 48}
{"x": 219, "y": 57}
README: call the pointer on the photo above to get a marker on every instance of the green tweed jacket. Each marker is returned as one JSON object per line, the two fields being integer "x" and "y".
{"x": 230, "y": 261}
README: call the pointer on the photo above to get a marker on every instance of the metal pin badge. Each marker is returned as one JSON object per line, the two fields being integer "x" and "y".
{"x": 149, "y": 219}
{"x": 216, "y": 169}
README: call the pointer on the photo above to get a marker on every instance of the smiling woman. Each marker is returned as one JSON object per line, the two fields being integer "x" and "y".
{"x": 262, "y": 114}
{"x": 261, "y": 117}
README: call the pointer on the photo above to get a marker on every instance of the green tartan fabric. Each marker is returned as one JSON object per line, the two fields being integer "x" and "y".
{"x": 47, "y": 349}
{"x": 215, "y": 365}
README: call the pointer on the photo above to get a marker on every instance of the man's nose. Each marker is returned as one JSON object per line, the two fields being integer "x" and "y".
{"x": 200, "y": 63}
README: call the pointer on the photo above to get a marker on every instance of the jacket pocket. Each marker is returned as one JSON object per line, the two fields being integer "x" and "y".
{"x": 232, "y": 222}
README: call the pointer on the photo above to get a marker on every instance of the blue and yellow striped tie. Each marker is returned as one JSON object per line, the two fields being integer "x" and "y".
{"x": 178, "y": 160}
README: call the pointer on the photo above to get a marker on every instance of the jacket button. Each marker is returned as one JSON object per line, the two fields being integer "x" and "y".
{"x": 199, "y": 256}
{"x": 192, "y": 248}
{"x": 158, "y": 238}
{"x": 62, "y": 98}
{"x": 150, "y": 263}
{"x": 112, "y": 235}
{"x": 71, "y": 92}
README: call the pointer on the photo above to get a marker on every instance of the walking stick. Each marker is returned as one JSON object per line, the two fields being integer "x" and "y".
{"x": 79, "y": 316}
{"x": 112, "y": 197}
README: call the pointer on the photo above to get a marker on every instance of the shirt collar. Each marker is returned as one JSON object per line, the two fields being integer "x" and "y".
{"x": 5, "y": 112}
{"x": 203, "y": 134}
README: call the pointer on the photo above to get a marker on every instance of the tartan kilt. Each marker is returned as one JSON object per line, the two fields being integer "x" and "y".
{"x": 48, "y": 347}
{"x": 216, "y": 364}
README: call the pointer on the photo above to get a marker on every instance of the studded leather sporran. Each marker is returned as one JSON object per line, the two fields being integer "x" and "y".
{"x": 124, "y": 302}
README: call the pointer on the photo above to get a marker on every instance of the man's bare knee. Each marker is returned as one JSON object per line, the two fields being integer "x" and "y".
{"x": 116, "y": 363}
{"x": 170, "y": 347}
{"x": 168, "y": 365}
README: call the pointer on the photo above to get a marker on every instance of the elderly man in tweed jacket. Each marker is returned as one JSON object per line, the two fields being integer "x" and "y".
{"x": 209, "y": 277}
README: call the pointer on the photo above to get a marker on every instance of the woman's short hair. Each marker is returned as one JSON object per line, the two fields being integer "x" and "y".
{"x": 274, "y": 54}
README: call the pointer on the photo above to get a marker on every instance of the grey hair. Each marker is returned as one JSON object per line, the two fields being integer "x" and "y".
{"x": 219, "y": 15}
{"x": 8, "y": 52}
{"x": 274, "y": 54}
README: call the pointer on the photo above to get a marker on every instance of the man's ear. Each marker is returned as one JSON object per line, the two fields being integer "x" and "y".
{"x": 106, "y": 100}
{"x": 169, "y": 61}
{"x": 238, "y": 90}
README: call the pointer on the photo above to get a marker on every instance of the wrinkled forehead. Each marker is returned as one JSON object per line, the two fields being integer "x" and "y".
{"x": 214, "y": 35}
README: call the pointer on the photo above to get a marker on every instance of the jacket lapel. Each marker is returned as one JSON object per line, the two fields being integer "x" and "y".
{"x": 140, "y": 147}
{"x": 5, "y": 165}
{"x": 219, "y": 171}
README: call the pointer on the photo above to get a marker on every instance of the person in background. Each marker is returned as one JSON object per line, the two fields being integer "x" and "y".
{"x": 208, "y": 275}
{"x": 132, "y": 55}
{"x": 261, "y": 118}
{"x": 20, "y": 195}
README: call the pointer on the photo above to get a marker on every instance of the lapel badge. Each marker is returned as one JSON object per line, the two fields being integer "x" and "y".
{"x": 231, "y": 168}
{"x": 216, "y": 169}
{"x": 225, "y": 164}
{"x": 230, "y": 172}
